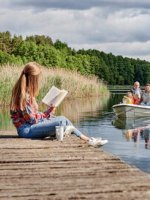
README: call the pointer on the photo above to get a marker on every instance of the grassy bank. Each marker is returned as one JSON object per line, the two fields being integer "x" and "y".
{"x": 77, "y": 85}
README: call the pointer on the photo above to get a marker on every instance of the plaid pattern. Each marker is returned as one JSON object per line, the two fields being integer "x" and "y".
{"x": 30, "y": 115}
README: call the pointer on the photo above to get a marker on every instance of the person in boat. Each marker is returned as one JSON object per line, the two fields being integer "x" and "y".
{"x": 145, "y": 99}
{"x": 128, "y": 99}
{"x": 136, "y": 89}
{"x": 131, "y": 99}
{"x": 29, "y": 122}
{"x": 136, "y": 99}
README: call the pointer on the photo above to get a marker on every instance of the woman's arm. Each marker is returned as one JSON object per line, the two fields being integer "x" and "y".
{"x": 50, "y": 111}
{"x": 30, "y": 115}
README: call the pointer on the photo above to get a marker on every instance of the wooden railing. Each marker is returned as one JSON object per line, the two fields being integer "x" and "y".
{"x": 121, "y": 89}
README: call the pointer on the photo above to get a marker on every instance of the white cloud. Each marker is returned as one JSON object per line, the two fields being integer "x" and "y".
{"x": 120, "y": 27}
{"x": 76, "y": 5}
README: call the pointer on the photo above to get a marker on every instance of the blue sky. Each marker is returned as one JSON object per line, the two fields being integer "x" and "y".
{"x": 117, "y": 26}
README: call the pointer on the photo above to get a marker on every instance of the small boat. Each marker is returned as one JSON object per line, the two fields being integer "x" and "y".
{"x": 131, "y": 110}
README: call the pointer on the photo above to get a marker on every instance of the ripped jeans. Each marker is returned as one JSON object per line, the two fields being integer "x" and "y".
{"x": 44, "y": 128}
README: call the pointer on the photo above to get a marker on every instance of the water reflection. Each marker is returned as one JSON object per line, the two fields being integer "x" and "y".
{"x": 5, "y": 122}
{"x": 130, "y": 123}
{"x": 135, "y": 129}
{"x": 137, "y": 135}
{"x": 72, "y": 109}
{"x": 78, "y": 108}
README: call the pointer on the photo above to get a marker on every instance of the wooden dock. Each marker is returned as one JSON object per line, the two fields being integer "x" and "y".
{"x": 46, "y": 169}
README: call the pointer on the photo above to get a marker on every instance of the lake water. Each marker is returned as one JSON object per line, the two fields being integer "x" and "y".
{"x": 94, "y": 117}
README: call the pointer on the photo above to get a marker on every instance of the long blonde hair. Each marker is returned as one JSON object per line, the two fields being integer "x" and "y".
{"x": 28, "y": 83}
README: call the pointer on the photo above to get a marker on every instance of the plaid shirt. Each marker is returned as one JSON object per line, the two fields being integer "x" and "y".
{"x": 29, "y": 115}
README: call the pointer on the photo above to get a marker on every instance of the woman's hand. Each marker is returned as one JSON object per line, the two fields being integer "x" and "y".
{"x": 52, "y": 109}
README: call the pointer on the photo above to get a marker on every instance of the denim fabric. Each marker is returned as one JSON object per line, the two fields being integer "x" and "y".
{"x": 44, "y": 128}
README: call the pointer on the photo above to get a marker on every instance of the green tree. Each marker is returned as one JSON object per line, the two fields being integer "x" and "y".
{"x": 5, "y": 41}
{"x": 63, "y": 47}
{"x": 40, "y": 40}
{"x": 128, "y": 72}
{"x": 49, "y": 56}
{"x": 15, "y": 42}
{"x": 27, "y": 50}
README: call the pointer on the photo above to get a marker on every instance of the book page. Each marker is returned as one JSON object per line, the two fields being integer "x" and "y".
{"x": 52, "y": 93}
{"x": 54, "y": 97}
{"x": 59, "y": 98}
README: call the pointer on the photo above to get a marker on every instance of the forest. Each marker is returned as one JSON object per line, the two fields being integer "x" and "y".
{"x": 113, "y": 70}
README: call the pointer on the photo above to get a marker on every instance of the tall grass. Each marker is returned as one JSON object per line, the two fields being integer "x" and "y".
{"x": 76, "y": 84}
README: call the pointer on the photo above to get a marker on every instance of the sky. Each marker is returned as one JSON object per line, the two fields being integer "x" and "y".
{"x": 120, "y": 27}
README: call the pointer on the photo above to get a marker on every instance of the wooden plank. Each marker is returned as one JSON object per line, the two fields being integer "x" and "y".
{"x": 48, "y": 169}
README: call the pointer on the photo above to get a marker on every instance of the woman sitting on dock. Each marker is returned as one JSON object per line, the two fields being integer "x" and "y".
{"x": 29, "y": 122}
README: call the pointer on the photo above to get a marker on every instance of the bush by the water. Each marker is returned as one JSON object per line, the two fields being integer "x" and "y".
{"x": 75, "y": 83}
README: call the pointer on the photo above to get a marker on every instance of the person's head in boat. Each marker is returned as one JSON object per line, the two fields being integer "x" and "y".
{"x": 129, "y": 94}
{"x": 136, "y": 85}
{"x": 136, "y": 89}
{"x": 147, "y": 88}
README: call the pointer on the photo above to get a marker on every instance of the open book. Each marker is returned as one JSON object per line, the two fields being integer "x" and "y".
{"x": 54, "y": 96}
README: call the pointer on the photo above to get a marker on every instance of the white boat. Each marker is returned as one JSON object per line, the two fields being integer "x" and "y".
{"x": 131, "y": 110}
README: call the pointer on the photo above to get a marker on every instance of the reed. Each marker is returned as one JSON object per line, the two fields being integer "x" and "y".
{"x": 76, "y": 84}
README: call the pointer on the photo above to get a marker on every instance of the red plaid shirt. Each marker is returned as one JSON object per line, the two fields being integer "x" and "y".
{"x": 29, "y": 115}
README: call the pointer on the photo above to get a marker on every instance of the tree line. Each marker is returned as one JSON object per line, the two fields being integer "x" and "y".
{"x": 114, "y": 70}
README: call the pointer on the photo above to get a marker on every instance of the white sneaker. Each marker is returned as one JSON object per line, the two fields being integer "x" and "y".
{"x": 69, "y": 130}
{"x": 98, "y": 138}
{"x": 96, "y": 142}
{"x": 104, "y": 142}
